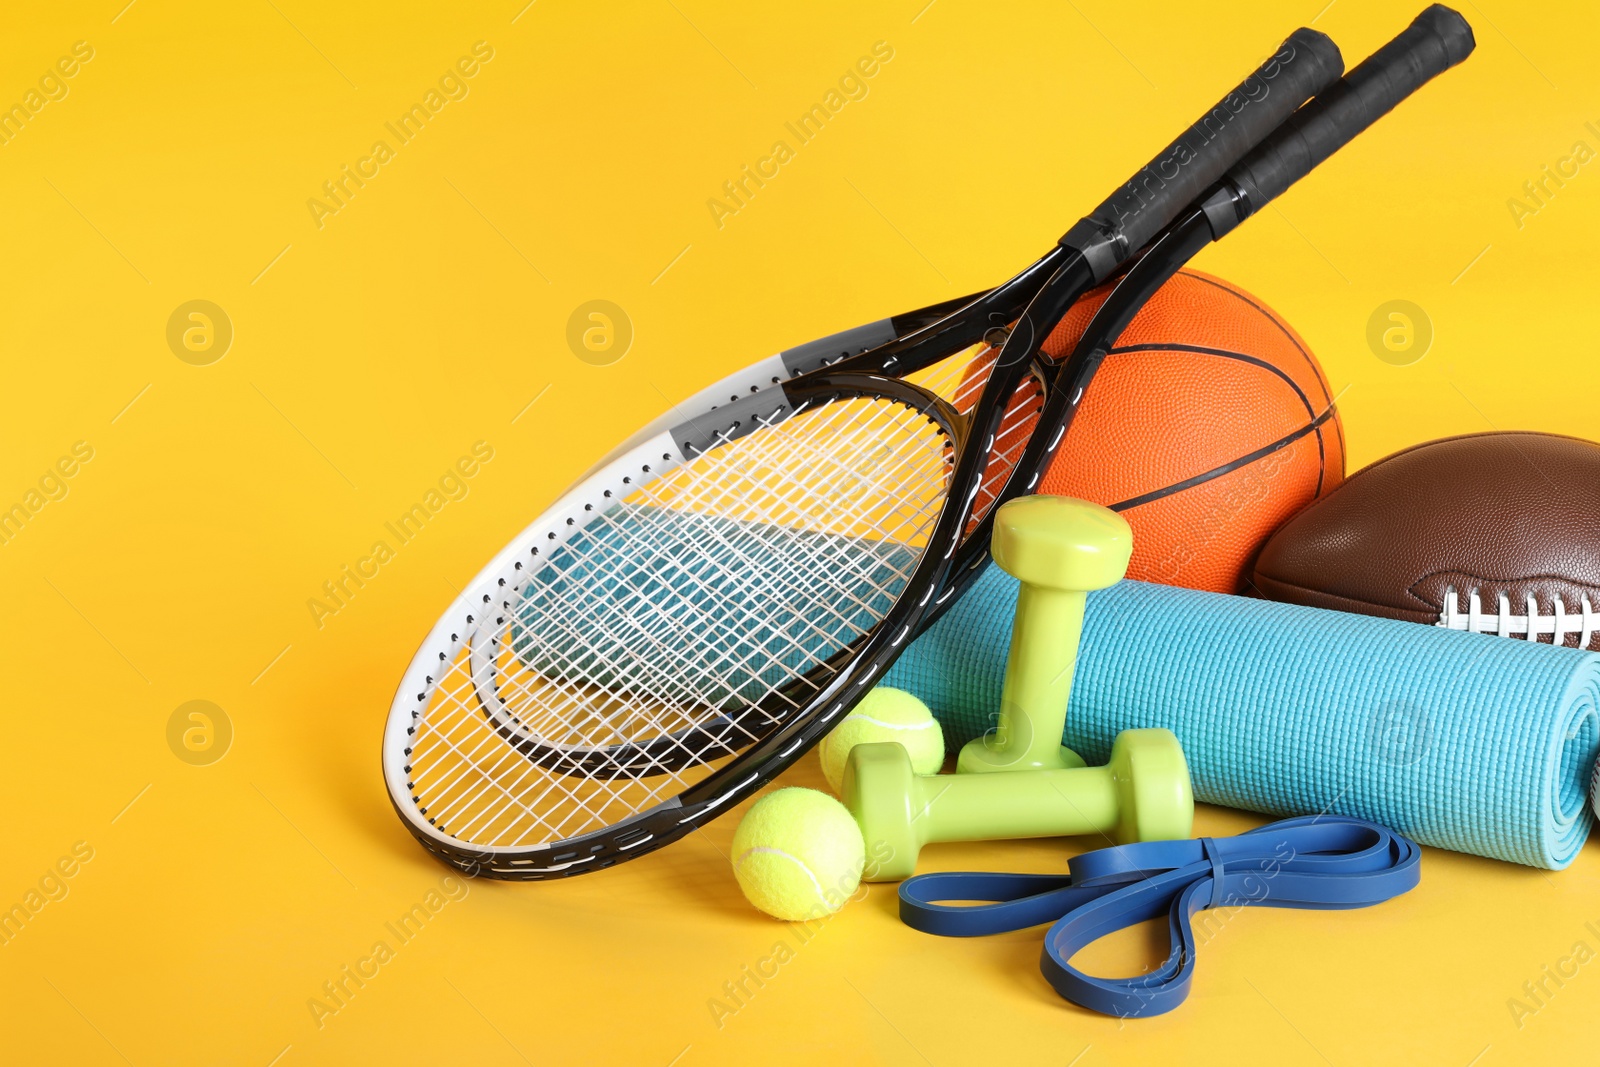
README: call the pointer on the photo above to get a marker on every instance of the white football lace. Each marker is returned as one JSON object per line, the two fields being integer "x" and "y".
{"x": 1530, "y": 626}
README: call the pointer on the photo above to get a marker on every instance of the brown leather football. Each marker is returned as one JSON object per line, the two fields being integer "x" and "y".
{"x": 1496, "y": 533}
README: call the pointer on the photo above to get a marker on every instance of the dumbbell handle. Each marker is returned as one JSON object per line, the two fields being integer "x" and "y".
{"x": 1011, "y": 804}
{"x": 1142, "y": 794}
{"x": 1058, "y": 549}
{"x": 1038, "y": 682}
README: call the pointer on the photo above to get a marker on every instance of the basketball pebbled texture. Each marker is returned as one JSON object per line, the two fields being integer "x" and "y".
{"x": 1204, "y": 376}
{"x": 1510, "y": 516}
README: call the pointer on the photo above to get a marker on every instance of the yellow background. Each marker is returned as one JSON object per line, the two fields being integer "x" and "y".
{"x": 428, "y": 312}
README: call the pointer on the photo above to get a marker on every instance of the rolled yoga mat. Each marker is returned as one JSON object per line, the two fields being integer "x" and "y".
{"x": 1469, "y": 742}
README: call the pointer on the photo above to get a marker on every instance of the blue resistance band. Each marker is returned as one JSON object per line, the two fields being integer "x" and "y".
{"x": 1323, "y": 862}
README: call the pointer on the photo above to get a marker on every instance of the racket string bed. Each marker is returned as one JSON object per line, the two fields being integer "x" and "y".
{"x": 748, "y": 549}
{"x": 505, "y": 782}
{"x": 771, "y": 543}
{"x": 970, "y": 383}
{"x": 487, "y": 759}
{"x": 628, "y": 612}
{"x": 517, "y": 788}
{"x": 513, "y": 799}
{"x": 742, "y": 571}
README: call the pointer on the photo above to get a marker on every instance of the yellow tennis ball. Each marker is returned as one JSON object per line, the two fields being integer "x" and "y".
{"x": 798, "y": 854}
{"x": 884, "y": 714}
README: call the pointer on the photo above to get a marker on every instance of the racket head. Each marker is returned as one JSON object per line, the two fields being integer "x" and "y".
{"x": 612, "y": 675}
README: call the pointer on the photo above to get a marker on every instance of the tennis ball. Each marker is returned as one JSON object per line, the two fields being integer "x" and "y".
{"x": 884, "y": 714}
{"x": 798, "y": 854}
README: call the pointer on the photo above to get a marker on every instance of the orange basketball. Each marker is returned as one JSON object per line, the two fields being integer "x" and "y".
{"x": 1209, "y": 424}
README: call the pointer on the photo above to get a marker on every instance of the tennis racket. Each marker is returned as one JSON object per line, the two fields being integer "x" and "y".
{"x": 683, "y": 623}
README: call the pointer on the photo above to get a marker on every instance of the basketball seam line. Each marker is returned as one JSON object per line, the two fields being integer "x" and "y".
{"x": 1272, "y": 318}
{"x": 1227, "y": 468}
{"x": 1175, "y": 346}
{"x": 1229, "y": 354}
{"x": 1311, "y": 362}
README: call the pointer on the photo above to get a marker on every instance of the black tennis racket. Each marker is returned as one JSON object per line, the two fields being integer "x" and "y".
{"x": 696, "y": 612}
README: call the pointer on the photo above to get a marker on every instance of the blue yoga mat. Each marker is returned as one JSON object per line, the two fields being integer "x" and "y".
{"x": 1468, "y": 742}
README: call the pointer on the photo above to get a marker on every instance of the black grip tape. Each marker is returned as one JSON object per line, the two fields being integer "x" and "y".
{"x": 1305, "y": 64}
{"x": 1436, "y": 40}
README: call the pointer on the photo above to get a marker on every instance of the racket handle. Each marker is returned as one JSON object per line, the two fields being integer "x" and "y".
{"x": 1436, "y": 40}
{"x": 1305, "y": 64}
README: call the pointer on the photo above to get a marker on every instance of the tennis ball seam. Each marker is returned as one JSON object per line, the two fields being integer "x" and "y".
{"x": 928, "y": 724}
{"x": 885, "y": 714}
{"x": 769, "y": 850}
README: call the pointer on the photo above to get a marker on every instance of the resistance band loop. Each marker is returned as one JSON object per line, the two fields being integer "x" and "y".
{"x": 1323, "y": 862}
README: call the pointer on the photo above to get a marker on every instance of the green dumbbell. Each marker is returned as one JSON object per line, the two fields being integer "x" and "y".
{"x": 1143, "y": 794}
{"x": 1059, "y": 548}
